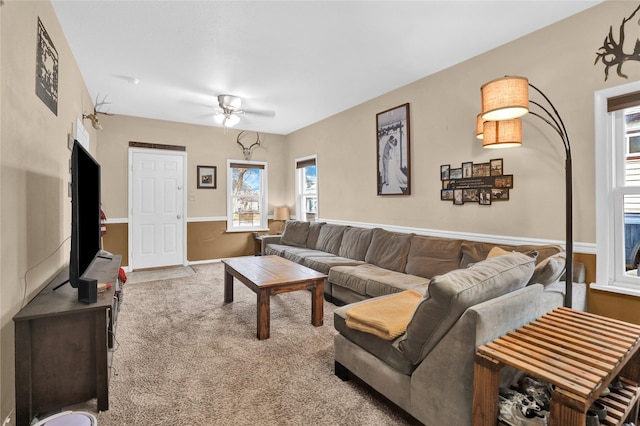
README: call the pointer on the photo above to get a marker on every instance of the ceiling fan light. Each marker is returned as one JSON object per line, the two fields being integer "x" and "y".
{"x": 230, "y": 102}
{"x": 232, "y": 120}
{"x": 505, "y": 98}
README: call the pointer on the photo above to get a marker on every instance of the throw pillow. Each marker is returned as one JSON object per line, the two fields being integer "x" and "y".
{"x": 295, "y": 233}
{"x": 496, "y": 251}
{"x": 449, "y": 295}
{"x": 549, "y": 270}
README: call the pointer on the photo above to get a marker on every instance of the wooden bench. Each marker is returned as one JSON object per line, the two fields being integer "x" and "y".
{"x": 578, "y": 352}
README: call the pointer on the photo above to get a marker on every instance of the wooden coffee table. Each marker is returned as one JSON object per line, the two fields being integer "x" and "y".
{"x": 269, "y": 275}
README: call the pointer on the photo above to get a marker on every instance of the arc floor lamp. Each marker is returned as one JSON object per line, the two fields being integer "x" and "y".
{"x": 505, "y": 100}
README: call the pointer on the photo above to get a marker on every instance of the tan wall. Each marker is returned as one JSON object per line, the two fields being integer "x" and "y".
{"x": 35, "y": 213}
{"x": 618, "y": 306}
{"x": 205, "y": 146}
{"x": 558, "y": 59}
{"x": 116, "y": 241}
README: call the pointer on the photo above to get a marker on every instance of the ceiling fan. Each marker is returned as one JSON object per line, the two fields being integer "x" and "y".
{"x": 230, "y": 108}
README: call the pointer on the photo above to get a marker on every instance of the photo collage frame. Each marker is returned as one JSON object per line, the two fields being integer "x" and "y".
{"x": 481, "y": 183}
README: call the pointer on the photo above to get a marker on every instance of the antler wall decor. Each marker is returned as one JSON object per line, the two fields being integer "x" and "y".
{"x": 247, "y": 151}
{"x": 612, "y": 53}
{"x": 95, "y": 123}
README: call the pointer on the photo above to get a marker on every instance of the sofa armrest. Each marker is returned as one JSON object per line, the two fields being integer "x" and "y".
{"x": 269, "y": 239}
{"x": 450, "y": 364}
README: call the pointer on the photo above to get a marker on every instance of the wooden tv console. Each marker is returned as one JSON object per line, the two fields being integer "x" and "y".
{"x": 62, "y": 346}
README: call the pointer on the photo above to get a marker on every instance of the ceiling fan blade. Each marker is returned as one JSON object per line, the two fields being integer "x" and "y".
{"x": 262, "y": 113}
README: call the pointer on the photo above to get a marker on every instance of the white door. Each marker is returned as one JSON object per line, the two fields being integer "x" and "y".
{"x": 156, "y": 208}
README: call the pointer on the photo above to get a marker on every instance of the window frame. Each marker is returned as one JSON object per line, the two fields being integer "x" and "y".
{"x": 301, "y": 194}
{"x": 263, "y": 225}
{"x": 610, "y": 158}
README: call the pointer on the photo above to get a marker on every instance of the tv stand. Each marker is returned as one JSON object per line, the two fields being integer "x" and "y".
{"x": 62, "y": 345}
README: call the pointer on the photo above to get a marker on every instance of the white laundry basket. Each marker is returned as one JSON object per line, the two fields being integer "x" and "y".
{"x": 69, "y": 418}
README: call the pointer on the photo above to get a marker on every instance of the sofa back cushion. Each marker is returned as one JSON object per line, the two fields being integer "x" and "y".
{"x": 431, "y": 256}
{"x": 449, "y": 295}
{"x": 329, "y": 238}
{"x": 314, "y": 232}
{"x": 355, "y": 243}
{"x": 388, "y": 250}
{"x": 295, "y": 233}
{"x": 473, "y": 251}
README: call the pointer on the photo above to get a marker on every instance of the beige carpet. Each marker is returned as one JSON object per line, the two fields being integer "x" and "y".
{"x": 159, "y": 274}
{"x": 184, "y": 357}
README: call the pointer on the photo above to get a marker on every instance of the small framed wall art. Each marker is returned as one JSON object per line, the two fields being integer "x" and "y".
{"x": 393, "y": 151}
{"x": 207, "y": 177}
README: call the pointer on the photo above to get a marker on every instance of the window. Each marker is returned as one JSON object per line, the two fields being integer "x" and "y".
{"x": 246, "y": 196}
{"x": 618, "y": 190}
{"x": 306, "y": 189}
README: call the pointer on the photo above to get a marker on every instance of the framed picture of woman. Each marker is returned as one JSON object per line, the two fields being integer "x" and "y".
{"x": 393, "y": 151}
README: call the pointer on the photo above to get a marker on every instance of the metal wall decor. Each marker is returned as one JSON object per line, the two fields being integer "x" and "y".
{"x": 47, "y": 70}
{"x": 481, "y": 183}
{"x": 612, "y": 52}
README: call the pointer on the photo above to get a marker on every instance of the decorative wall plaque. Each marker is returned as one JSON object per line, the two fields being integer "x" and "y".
{"x": 481, "y": 183}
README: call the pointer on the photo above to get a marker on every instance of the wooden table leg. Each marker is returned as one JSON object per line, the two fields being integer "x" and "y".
{"x": 317, "y": 304}
{"x": 486, "y": 381}
{"x": 228, "y": 286}
{"x": 263, "y": 314}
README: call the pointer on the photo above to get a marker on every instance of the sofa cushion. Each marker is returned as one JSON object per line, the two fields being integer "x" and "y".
{"x": 389, "y": 250}
{"x": 449, "y": 295}
{"x": 373, "y": 281}
{"x": 473, "y": 251}
{"x": 431, "y": 256}
{"x": 324, "y": 263}
{"x": 389, "y": 282}
{"x": 295, "y": 233}
{"x": 329, "y": 238}
{"x": 298, "y": 254}
{"x": 314, "y": 232}
{"x": 386, "y": 350}
{"x": 549, "y": 270}
{"x": 275, "y": 249}
{"x": 355, "y": 242}
{"x": 352, "y": 277}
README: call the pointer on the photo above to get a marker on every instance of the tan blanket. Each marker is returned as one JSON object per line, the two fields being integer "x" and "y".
{"x": 386, "y": 318}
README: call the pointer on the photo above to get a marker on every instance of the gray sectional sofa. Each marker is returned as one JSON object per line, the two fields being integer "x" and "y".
{"x": 370, "y": 262}
{"x": 468, "y": 298}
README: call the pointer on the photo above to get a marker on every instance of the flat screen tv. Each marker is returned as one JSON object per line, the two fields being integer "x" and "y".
{"x": 85, "y": 212}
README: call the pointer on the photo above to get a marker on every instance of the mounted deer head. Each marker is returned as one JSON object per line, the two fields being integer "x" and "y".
{"x": 95, "y": 123}
{"x": 247, "y": 151}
